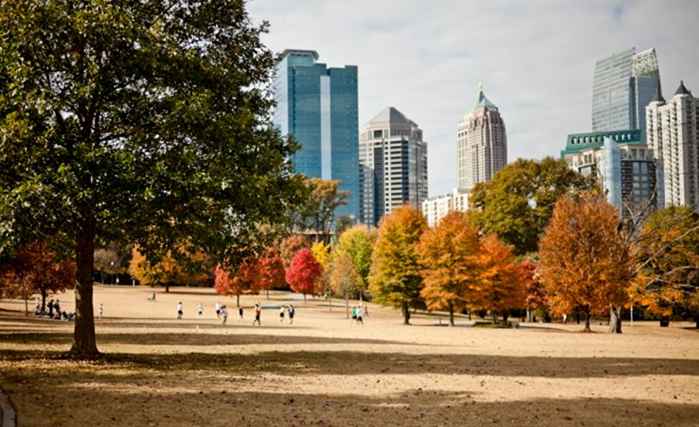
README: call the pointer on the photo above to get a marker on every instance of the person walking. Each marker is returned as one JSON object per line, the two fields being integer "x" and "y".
{"x": 200, "y": 310}
{"x": 282, "y": 309}
{"x": 180, "y": 312}
{"x": 258, "y": 315}
{"x": 292, "y": 312}
{"x": 50, "y": 306}
{"x": 57, "y": 307}
{"x": 241, "y": 312}
{"x": 223, "y": 312}
{"x": 218, "y": 310}
{"x": 360, "y": 315}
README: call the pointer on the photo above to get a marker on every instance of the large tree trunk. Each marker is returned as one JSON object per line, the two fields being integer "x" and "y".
{"x": 451, "y": 313}
{"x": 167, "y": 288}
{"x": 587, "y": 322}
{"x": 84, "y": 343}
{"x": 43, "y": 300}
{"x": 406, "y": 313}
{"x": 237, "y": 300}
{"x": 347, "y": 310}
{"x": 304, "y": 298}
{"x": 615, "y": 320}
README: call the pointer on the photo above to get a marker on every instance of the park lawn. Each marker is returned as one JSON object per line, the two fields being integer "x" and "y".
{"x": 325, "y": 370}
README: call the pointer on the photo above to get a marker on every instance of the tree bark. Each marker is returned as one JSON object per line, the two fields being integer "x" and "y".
{"x": 406, "y": 313}
{"x": 451, "y": 313}
{"x": 167, "y": 288}
{"x": 84, "y": 343}
{"x": 237, "y": 300}
{"x": 43, "y": 300}
{"x": 347, "y": 306}
{"x": 615, "y": 320}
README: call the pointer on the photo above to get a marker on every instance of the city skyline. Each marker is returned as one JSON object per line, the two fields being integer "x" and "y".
{"x": 540, "y": 73}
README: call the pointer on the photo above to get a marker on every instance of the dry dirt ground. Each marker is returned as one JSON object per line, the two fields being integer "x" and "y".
{"x": 325, "y": 370}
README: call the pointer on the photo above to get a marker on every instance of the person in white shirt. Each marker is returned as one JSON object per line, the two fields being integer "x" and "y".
{"x": 218, "y": 310}
{"x": 179, "y": 310}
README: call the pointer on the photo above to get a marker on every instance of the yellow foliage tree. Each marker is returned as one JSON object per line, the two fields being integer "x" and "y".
{"x": 168, "y": 270}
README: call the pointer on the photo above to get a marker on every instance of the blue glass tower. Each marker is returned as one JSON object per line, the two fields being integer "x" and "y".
{"x": 318, "y": 106}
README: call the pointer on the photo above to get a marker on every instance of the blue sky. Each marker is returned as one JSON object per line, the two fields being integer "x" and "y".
{"x": 535, "y": 59}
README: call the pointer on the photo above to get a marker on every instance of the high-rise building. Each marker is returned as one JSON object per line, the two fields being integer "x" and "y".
{"x": 621, "y": 161}
{"x": 318, "y": 106}
{"x": 624, "y": 84}
{"x": 481, "y": 144}
{"x": 673, "y": 137}
{"x": 393, "y": 162}
{"x": 436, "y": 208}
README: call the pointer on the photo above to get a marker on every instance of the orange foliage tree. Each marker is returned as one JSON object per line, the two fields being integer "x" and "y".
{"x": 245, "y": 279}
{"x": 35, "y": 269}
{"x": 534, "y": 289}
{"x": 270, "y": 270}
{"x": 501, "y": 279}
{"x": 585, "y": 260}
{"x": 449, "y": 258}
{"x": 303, "y": 273}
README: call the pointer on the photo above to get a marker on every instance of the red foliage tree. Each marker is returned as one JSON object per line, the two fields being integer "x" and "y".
{"x": 245, "y": 280}
{"x": 303, "y": 272}
{"x": 270, "y": 268}
{"x": 35, "y": 269}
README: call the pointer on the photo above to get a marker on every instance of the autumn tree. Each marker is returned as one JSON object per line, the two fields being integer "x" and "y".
{"x": 303, "y": 273}
{"x": 518, "y": 202}
{"x": 290, "y": 246}
{"x": 449, "y": 258}
{"x": 501, "y": 283}
{"x": 243, "y": 280}
{"x": 270, "y": 270}
{"x": 179, "y": 268}
{"x": 323, "y": 197}
{"x": 140, "y": 122}
{"x": 344, "y": 279}
{"x": 358, "y": 244}
{"x": 668, "y": 261}
{"x": 35, "y": 268}
{"x": 395, "y": 269}
{"x": 321, "y": 253}
{"x": 585, "y": 262}
{"x": 534, "y": 289}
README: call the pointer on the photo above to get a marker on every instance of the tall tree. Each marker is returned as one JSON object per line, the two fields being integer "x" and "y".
{"x": 145, "y": 122}
{"x": 585, "y": 261}
{"x": 244, "y": 280}
{"x": 449, "y": 257}
{"x": 270, "y": 270}
{"x": 358, "y": 244}
{"x": 344, "y": 278}
{"x": 318, "y": 212}
{"x": 303, "y": 273}
{"x": 501, "y": 282}
{"x": 518, "y": 202}
{"x": 668, "y": 261}
{"x": 395, "y": 269}
{"x": 35, "y": 268}
{"x": 535, "y": 291}
{"x": 321, "y": 253}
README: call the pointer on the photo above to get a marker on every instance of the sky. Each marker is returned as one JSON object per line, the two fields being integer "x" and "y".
{"x": 535, "y": 59}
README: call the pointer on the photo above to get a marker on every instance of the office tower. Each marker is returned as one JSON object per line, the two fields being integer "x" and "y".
{"x": 621, "y": 161}
{"x": 318, "y": 106}
{"x": 393, "y": 162}
{"x": 673, "y": 137}
{"x": 436, "y": 208}
{"x": 481, "y": 144}
{"x": 624, "y": 84}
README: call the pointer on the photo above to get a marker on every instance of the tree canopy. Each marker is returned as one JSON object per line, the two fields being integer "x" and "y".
{"x": 304, "y": 272}
{"x": 518, "y": 202}
{"x": 395, "y": 277}
{"x": 357, "y": 243}
{"x": 140, "y": 122}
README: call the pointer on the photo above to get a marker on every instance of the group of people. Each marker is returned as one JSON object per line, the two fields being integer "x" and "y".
{"x": 359, "y": 313}
{"x": 222, "y": 313}
{"x": 52, "y": 311}
{"x": 289, "y": 310}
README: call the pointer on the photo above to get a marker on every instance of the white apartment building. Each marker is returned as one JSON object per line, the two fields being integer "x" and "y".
{"x": 436, "y": 208}
{"x": 672, "y": 132}
{"x": 393, "y": 165}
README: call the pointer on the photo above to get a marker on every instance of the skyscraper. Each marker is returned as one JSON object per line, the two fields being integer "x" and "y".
{"x": 318, "y": 106}
{"x": 623, "y": 85}
{"x": 481, "y": 144}
{"x": 673, "y": 137}
{"x": 393, "y": 162}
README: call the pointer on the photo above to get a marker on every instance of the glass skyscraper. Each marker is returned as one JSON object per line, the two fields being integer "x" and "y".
{"x": 318, "y": 106}
{"x": 624, "y": 84}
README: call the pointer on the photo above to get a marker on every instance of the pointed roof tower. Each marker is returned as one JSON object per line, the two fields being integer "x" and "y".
{"x": 482, "y": 101}
{"x": 682, "y": 90}
{"x": 390, "y": 115}
{"x": 658, "y": 95}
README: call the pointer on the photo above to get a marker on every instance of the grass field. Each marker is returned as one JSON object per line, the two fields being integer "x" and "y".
{"x": 325, "y": 370}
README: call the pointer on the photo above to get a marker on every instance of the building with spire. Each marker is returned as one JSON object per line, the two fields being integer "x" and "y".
{"x": 481, "y": 144}
{"x": 318, "y": 106}
{"x": 623, "y": 85}
{"x": 393, "y": 165}
{"x": 672, "y": 130}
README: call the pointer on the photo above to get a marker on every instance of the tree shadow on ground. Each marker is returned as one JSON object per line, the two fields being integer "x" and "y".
{"x": 145, "y": 405}
{"x": 389, "y": 363}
